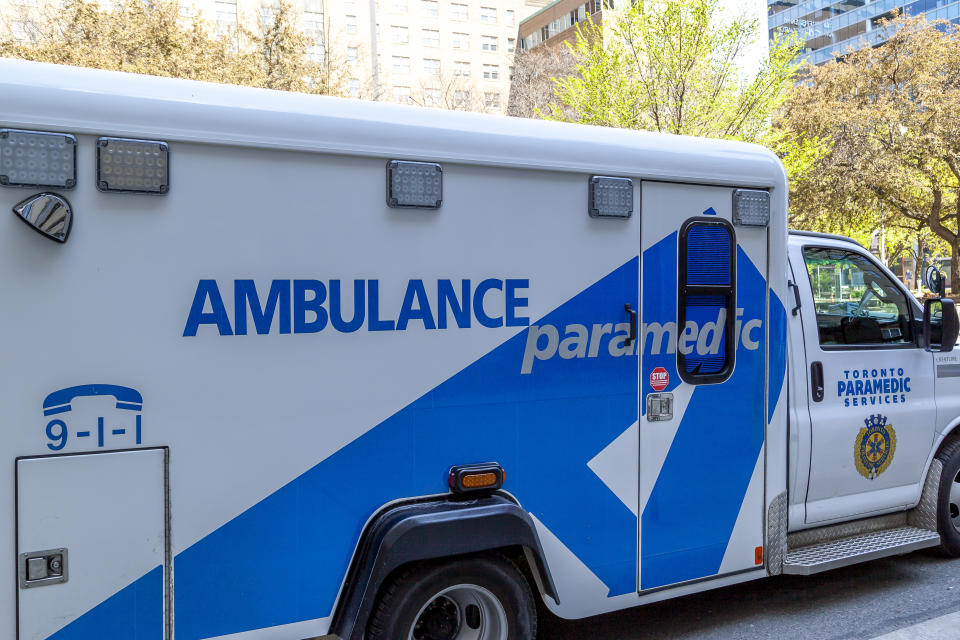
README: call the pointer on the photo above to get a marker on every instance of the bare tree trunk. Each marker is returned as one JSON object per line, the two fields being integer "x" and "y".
{"x": 954, "y": 270}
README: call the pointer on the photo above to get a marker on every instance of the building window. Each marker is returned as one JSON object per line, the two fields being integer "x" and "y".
{"x": 352, "y": 55}
{"x": 488, "y": 15}
{"x": 354, "y": 87}
{"x": 431, "y": 66}
{"x": 511, "y": 45}
{"x": 431, "y": 38}
{"x": 312, "y": 25}
{"x": 491, "y": 100}
{"x": 489, "y": 43}
{"x": 491, "y": 72}
{"x": 510, "y": 18}
{"x": 460, "y": 40}
{"x": 431, "y": 97}
{"x": 398, "y": 6}
{"x": 351, "y": 23}
{"x": 461, "y": 69}
{"x": 226, "y": 11}
{"x": 401, "y": 64}
{"x": 428, "y": 8}
{"x": 461, "y": 99}
{"x": 266, "y": 18}
{"x": 399, "y": 35}
{"x": 707, "y": 295}
{"x": 401, "y": 95}
{"x": 458, "y": 12}
{"x": 511, "y": 73}
{"x": 315, "y": 52}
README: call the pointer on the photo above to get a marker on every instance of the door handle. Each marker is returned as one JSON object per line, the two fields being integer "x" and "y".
{"x": 633, "y": 325}
{"x": 796, "y": 296}
{"x": 816, "y": 381}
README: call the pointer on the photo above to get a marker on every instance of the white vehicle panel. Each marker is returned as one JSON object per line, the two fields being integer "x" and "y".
{"x": 108, "y": 510}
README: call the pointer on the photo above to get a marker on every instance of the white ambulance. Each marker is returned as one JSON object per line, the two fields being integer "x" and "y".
{"x": 286, "y": 367}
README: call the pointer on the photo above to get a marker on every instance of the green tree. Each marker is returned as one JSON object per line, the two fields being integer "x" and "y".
{"x": 153, "y": 38}
{"x": 673, "y": 66}
{"x": 887, "y": 122}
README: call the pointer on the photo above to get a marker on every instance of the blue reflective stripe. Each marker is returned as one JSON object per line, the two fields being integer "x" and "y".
{"x": 778, "y": 352}
{"x": 133, "y": 613}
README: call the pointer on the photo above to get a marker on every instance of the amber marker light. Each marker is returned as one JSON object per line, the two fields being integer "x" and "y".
{"x": 758, "y": 555}
{"x": 476, "y": 478}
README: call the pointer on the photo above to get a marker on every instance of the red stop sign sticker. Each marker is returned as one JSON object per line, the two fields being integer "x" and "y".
{"x": 659, "y": 379}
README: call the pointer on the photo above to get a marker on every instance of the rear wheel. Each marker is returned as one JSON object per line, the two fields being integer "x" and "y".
{"x": 948, "y": 505}
{"x": 473, "y": 598}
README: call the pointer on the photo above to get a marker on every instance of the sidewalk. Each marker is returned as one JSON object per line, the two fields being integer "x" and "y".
{"x": 943, "y": 628}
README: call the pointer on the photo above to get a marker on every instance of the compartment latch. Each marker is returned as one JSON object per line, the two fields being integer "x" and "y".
{"x": 41, "y": 568}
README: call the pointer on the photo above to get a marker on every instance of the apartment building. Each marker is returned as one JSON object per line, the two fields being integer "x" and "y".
{"x": 828, "y": 26}
{"x": 557, "y": 22}
{"x": 452, "y": 54}
{"x": 444, "y": 53}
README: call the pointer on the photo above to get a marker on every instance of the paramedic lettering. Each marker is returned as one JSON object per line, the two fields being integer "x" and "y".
{"x": 309, "y": 306}
{"x": 579, "y": 341}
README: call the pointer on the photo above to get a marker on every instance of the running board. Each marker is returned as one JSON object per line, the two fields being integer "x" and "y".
{"x": 824, "y": 556}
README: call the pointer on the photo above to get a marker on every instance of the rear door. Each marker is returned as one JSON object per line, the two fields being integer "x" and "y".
{"x": 702, "y": 382}
{"x": 871, "y": 399}
{"x": 89, "y": 525}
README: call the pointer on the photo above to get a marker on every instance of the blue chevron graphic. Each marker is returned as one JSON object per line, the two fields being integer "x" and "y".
{"x": 543, "y": 427}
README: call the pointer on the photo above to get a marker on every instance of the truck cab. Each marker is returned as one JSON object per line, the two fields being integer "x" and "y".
{"x": 870, "y": 399}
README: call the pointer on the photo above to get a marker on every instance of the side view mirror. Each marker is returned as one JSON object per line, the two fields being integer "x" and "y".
{"x": 948, "y": 324}
{"x": 934, "y": 280}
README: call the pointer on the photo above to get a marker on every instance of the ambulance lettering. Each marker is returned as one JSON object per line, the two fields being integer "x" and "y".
{"x": 310, "y": 306}
{"x": 580, "y": 341}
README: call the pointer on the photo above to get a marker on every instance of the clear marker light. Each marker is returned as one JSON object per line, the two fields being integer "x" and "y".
{"x": 751, "y": 208}
{"x": 133, "y": 166}
{"x": 611, "y": 197}
{"x": 414, "y": 184}
{"x": 37, "y": 159}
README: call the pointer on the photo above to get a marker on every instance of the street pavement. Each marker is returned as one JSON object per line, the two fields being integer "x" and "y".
{"x": 905, "y": 598}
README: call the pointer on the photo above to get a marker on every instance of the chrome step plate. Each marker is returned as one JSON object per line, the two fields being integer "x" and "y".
{"x": 861, "y": 548}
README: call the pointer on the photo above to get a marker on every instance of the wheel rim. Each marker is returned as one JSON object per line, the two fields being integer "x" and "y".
{"x": 461, "y": 612}
{"x": 955, "y": 502}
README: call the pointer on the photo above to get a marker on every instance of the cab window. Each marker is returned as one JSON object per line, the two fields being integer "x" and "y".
{"x": 856, "y": 303}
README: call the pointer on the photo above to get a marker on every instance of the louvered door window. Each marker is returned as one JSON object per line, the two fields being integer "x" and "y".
{"x": 707, "y": 301}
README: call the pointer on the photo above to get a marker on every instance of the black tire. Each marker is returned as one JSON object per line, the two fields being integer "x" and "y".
{"x": 405, "y": 596}
{"x": 948, "y": 509}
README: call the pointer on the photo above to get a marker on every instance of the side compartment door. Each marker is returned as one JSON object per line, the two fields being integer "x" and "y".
{"x": 871, "y": 399}
{"x": 702, "y": 386}
{"x": 89, "y": 525}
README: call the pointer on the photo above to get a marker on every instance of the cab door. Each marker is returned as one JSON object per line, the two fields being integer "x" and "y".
{"x": 871, "y": 394}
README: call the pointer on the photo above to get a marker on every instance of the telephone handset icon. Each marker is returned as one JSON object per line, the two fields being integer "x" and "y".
{"x": 60, "y": 402}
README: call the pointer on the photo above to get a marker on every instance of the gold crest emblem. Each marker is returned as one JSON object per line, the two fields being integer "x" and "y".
{"x": 874, "y": 447}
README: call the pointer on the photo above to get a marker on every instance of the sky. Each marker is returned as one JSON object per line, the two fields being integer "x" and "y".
{"x": 757, "y": 53}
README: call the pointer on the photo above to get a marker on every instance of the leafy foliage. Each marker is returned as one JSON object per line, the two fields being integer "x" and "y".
{"x": 153, "y": 38}
{"x": 671, "y": 66}
{"x": 885, "y": 122}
